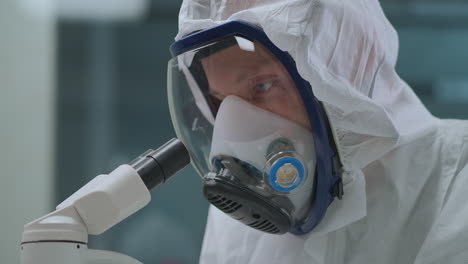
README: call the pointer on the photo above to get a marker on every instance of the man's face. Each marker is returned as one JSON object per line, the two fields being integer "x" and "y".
{"x": 257, "y": 77}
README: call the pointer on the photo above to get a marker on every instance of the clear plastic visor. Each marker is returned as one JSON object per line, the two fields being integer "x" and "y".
{"x": 199, "y": 80}
{"x": 198, "y": 83}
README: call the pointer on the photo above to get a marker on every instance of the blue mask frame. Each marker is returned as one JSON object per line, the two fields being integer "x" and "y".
{"x": 328, "y": 184}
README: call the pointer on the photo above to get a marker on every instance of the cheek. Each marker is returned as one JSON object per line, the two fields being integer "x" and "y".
{"x": 303, "y": 118}
{"x": 299, "y": 115}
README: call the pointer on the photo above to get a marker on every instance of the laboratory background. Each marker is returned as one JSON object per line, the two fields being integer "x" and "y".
{"x": 83, "y": 89}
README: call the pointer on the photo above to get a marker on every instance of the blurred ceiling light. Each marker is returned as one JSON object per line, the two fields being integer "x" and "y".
{"x": 101, "y": 10}
{"x": 87, "y": 10}
{"x": 37, "y": 8}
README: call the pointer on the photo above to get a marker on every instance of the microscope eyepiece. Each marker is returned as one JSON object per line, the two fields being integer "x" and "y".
{"x": 157, "y": 166}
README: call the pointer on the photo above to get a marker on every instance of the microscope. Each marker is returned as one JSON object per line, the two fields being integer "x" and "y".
{"x": 62, "y": 236}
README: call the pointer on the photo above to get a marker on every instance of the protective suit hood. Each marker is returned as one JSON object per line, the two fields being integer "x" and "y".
{"x": 347, "y": 51}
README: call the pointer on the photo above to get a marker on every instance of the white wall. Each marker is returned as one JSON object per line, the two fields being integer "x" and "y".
{"x": 27, "y": 46}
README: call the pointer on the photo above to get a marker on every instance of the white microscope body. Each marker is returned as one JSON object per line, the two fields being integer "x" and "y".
{"x": 62, "y": 236}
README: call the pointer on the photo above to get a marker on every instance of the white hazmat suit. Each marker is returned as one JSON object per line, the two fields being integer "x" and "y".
{"x": 406, "y": 179}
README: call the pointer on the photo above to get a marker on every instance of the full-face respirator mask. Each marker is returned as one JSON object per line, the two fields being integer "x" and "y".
{"x": 256, "y": 134}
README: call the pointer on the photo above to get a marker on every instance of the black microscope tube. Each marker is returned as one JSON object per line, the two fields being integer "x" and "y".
{"x": 157, "y": 166}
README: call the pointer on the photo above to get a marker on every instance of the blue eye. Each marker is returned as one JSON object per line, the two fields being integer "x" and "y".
{"x": 264, "y": 86}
